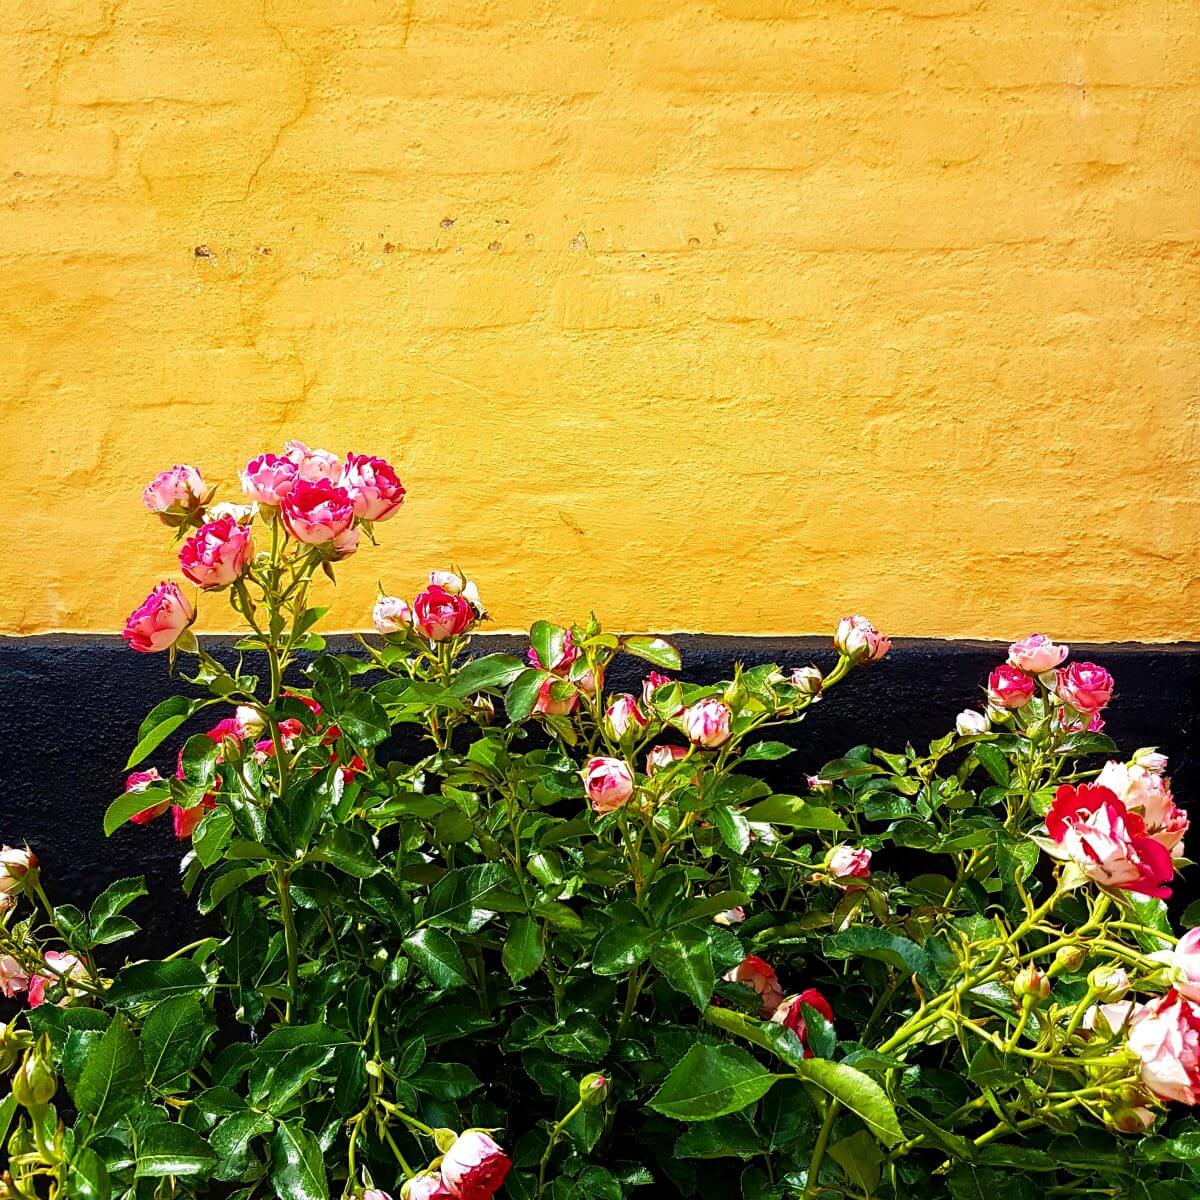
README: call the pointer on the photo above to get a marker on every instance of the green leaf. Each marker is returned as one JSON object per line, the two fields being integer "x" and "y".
{"x": 103, "y": 920}
{"x": 548, "y": 642}
{"x": 712, "y": 1081}
{"x": 733, "y": 828}
{"x": 623, "y": 946}
{"x": 857, "y": 1092}
{"x": 653, "y": 650}
{"x": 969, "y": 1182}
{"x": 796, "y": 813}
{"x": 523, "y": 692}
{"x": 349, "y": 851}
{"x": 231, "y": 1138}
{"x": 445, "y": 1081}
{"x": 438, "y": 957}
{"x": 461, "y": 898}
{"x": 523, "y": 950}
{"x": 860, "y": 1160}
{"x": 173, "y": 1149}
{"x": 723, "y": 1137}
{"x": 991, "y": 757}
{"x": 779, "y": 1041}
{"x": 112, "y": 1081}
{"x": 87, "y": 1177}
{"x": 131, "y": 803}
{"x": 767, "y": 752}
{"x": 212, "y": 835}
{"x": 297, "y": 1164}
{"x": 173, "y": 1039}
{"x": 364, "y": 721}
{"x": 495, "y": 671}
{"x": 160, "y": 722}
{"x": 217, "y": 887}
{"x": 146, "y": 982}
{"x": 865, "y": 941}
{"x": 685, "y": 960}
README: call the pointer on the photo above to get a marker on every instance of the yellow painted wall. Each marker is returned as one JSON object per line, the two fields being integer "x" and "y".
{"x": 727, "y": 316}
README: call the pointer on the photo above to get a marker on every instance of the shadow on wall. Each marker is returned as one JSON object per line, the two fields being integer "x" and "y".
{"x": 70, "y": 707}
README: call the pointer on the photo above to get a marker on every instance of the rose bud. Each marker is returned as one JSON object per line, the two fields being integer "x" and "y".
{"x": 1165, "y": 1035}
{"x": 13, "y": 980}
{"x": 392, "y": 615}
{"x": 790, "y": 1014}
{"x": 754, "y": 972}
{"x": 316, "y": 513}
{"x": 313, "y": 465}
{"x": 475, "y": 1166}
{"x": 1109, "y": 983}
{"x": 706, "y": 723}
{"x": 970, "y": 723}
{"x": 268, "y": 478}
{"x": 249, "y": 721}
{"x": 34, "y": 1085}
{"x": 1068, "y": 958}
{"x": 428, "y": 1186}
{"x": 243, "y": 514}
{"x": 470, "y": 594}
{"x": 593, "y": 1089}
{"x": 816, "y": 784}
{"x": 608, "y": 783}
{"x": 1084, "y": 686}
{"x": 1010, "y": 687}
{"x": 1031, "y": 985}
{"x": 658, "y": 758}
{"x": 217, "y": 554}
{"x": 1036, "y": 654}
{"x": 1150, "y": 760}
{"x": 15, "y": 864}
{"x": 1130, "y": 1118}
{"x": 547, "y": 706}
{"x": 373, "y": 486}
{"x": 622, "y": 715}
{"x": 808, "y": 681}
{"x": 175, "y": 494}
{"x": 860, "y": 641}
{"x": 139, "y": 781}
{"x": 440, "y": 615}
{"x": 731, "y": 916}
{"x": 344, "y": 545}
{"x": 448, "y": 581}
{"x": 849, "y": 862}
{"x": 651, "y": 684}
{"x": 159, "y": 620}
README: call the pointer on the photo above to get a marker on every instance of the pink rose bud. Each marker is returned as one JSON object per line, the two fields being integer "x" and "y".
{"x": 448, "y": 581}
{"x": 268, "y": 478}
{"x": 316, "y": 513}
{"x": 754, "y": 972}
{"x": 139, "y": 781}
{"x": 651, "y": 684}
{"x": 1110, "y": 983}
{"x": 731, "y": 916}
{"x": 622, "y": 715}
{"x": 1010, "y": 687}
{"x": 470, "y": 594}
{"x": 706, "y": 723}
{"x": 217, "y": 554}
{"x": 790, "y": 1014}
{"x": 816, "y": 784}
{"x": 608, "y": 783}
{"x": 860, "y": 641}
{"x": 849, "y": 862}
{"x": 1084, "y": 686}
{"x": 475, "y": 1167}
{"x": 313, "y": 465}
{"x": 429, "y": 1186}
{"x": 808, "y": 681}
{"x": 1036, "y": 654}
{"x": 159, "y": 620}
{"x": 13, "y": 979}
{"x": 1031, "y": 984}
{"x": 658, "y": 758}
{"x": 1149, "y": 759}
{"x": 1165, "y": 1035}
{"x": 243, "y": 514}
{"x": 249, "y": 721}
{"x": 970, "y": 723}
{"x": 344, "y": 545}
{"x": 547, "y": 706}
{"x": 1131, "y": 1118}
{"x": 440, "y": 615}
{"x": 392, "y": 615}
{"x": 1150, "y": 796}
{"x": 175, "y": 494}
{"x": 373, "y": 486}
{"x": 376, "y": 1194}
{"x": 15, "y": 864}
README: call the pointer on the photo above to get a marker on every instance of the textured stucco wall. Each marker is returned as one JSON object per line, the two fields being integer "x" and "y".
{"x": 725, "y": 316}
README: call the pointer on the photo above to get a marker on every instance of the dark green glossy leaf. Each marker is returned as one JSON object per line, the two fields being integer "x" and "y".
{"x": 795, "y": 813}
{"x": 160, "y": 722}
{"x": 712, "y": 1081}
{"x": 144, "y": 983}
{"x": 438, "y": 957}
{"x": 523, "y": 950}
{"x": 297, "y": 1164}
{"x": 653, "y": 650}
{"x": 172, "y": 1149}
{"x": 112, "y": 1080}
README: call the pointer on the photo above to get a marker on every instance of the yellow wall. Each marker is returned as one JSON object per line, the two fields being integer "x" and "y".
{"x": 727, "y": 316}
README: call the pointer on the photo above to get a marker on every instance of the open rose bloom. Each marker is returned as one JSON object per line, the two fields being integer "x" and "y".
{"x": 475, "y": 1166}
{"x": 157, "y": 623}
{"x": 757, "y": 973}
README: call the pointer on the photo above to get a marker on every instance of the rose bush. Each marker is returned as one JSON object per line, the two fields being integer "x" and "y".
{"x": 587, "y": 942}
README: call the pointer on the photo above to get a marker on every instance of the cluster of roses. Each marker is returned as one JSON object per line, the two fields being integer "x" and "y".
{"x": 320, "y": 500}
{"x": 448, "y": 608}
{"x": 473, "y": 1167}
{"x": 234, "y": 735}
{"x": 758, "y": 975}
{"x": 707, "y": 724}
{"x": 1081, "y": 690}
{"x": 19, "y": 872}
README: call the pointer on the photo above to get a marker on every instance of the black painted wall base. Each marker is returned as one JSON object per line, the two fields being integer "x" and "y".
{"x": 70, "y": 707}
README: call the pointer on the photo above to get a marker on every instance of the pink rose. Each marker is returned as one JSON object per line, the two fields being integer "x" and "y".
{"x": 808, "y": 681}
{"x": 1150, "y": 760}
{"x": 315, "y": 513}
{"x": 1165, "y": 1035}
{"x": 850, "y": 862}
{"x": 608, "y": 783}
{"x": 1184, "y": 964}
{"x": 547, "y": 706}
{"x": 376, "y": 1194}
{"x": 139, "y": 781}
{"x": 706, "y": 723}
{"x": 13, "y": 980}
{"x": 790, "y": 1014}
{"x": 970, "y": 723}
{"x": 373, "y": 486}
{"x": 175, "y": 494}
{"x": 268, "y": 478}
{"x": 1090, "y": 826}
{"x": 1010, "y": 687}
{"x": 860, "y": 641}
{"x": 439, "y": 615}
{"x": 1084, "y": 686}
{"x": 754, "y": 972}
{"x": 344, "y": 545}
{"x": 731, "y": 916}
{"x": 1144, "y": 792}
{"x": 1036, "y": 653}
{"x": 15, "y": 864}
{"x": 59, "y": 967}
{"x": 651, "y": 684}
{"x": 622, "y": 715}
{"x": 159, "y": 620}
{"x": 313, "y": 465}
{"x": 217, "y": 553}
{"x": 392, "y": 615}
{"x": 185, "y": 820}
{"x": 425, "y": 1187}
{"x": 475, "y": 1166}
{"x": 658, "y": 758}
